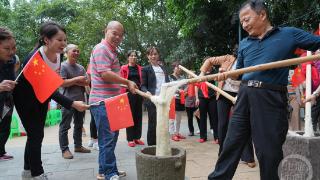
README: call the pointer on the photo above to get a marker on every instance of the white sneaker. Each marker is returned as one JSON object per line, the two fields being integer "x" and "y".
{"x": 198, "y": 132}
{"x": 122, "y": 173}
{"x": 115, "y": 177}
{"x": 95, "y": 146}
{"x": 41, "y": 177}
{"x": 91, "y": 142}
{"x": 211, "y": 130}
{"x": 26, "y": 175}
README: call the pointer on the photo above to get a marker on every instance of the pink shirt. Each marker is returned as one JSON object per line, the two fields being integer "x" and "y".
{"x": 103, "y": 58}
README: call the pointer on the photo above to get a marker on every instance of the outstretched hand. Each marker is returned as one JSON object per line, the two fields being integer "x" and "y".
{"x": 132, "y": 87}
{"x": 7, "y": 85}
{"x": 311, "y": 99}
{"x": 80, "y": 106}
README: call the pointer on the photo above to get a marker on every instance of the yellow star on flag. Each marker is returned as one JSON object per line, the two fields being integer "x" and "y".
{"x": 35, "y": 62}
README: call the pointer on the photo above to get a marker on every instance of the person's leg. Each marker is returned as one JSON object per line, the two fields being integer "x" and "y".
{"x": 178, "y": 121}
{"x": 152, "y": 123}
{"x": 224, "y": 106}
{"x": 78, "y": 124}
{"x": 269, "y": 126}
{"x": 237, "y": 136}
{"x": 4, "y": 133}
{"x": 64, "y": 126}
{"x": 93, "y": 128}
{"x": 130, "y": 131}
{"x": 203, "y": 107}
{"x": 35, "y": 134}
{"x": 213, "y": 116}
{"x": 107, "y": 142}
{"x": 247, "y": 154}
{"x": 190, "y": 111}
{"x": 315, "y": 113}
{"x": 138, "y": 117}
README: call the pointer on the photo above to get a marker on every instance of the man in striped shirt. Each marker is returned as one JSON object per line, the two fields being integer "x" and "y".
{"x": 105, "y": 80}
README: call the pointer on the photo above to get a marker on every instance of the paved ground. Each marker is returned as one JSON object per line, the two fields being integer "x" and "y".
{"x": 200, "y": 158}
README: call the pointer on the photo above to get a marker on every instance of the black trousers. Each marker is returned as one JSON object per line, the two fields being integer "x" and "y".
{"x": 224, "y": 108}
{"x": 315, "y": 114}
{"x": 33, "y": 116}
{"x": 65, "y": 125}
{"x": 152, "y": 123}
{"x": 4, "y": 132}
{"x": 262, "y": 114}
{"x": 135, "y": 131}
{"x": 190, "y": 111}
{"x": 93, "y": 128}
{"x": 208, "y": 106}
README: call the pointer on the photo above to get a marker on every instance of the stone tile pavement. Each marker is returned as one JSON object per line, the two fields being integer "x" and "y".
{"x": 200, "y": 157}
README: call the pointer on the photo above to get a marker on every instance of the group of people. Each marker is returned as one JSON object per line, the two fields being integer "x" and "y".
{"x": 259, "y": 114}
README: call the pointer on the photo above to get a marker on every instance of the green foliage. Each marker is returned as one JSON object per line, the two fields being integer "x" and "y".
{"x": 183, "y": 30}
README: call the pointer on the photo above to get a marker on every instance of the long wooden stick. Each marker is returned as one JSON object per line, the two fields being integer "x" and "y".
{"x": 260, "y": 67}
{"x": 222, "y": 92}
{"x": 141, "y": 93}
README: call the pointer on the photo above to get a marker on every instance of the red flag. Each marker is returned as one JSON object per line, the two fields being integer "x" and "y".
{"x": 182, "y": 99}
{"x": 119, "y": 112}
{"x": 172, "y": 112}
{"x": 42, "y": 78}
{"x": 191, "y": 90}
{"x": 297, "y": 77}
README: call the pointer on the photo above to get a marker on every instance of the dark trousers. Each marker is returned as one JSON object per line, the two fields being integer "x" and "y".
{"x": 65, "y": 125}
{"x": 152, "y": 123}
{"x": 190, "y": 111}
{"x": 262, "y": 114}
{"x": 33, "y": 118}
{"x": 93, "y": 128}
{"x": 208, "y": 106}
{"x": 4, "y": 133}
{"x": 224, "y": 108}
{"x": 134, "y": 132}
{"x": 315, "y": 114}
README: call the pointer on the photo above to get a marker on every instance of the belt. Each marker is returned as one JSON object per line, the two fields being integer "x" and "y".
{"x": 259, "y": 84}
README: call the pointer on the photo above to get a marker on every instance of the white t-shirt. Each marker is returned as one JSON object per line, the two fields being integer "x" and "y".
{"x": 53, "y": 66}
{"x": 160, "y": 78}
{"x": 231, "y": 85}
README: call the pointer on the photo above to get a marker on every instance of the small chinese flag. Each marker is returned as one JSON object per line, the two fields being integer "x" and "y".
{"x": 182, "y": 98}
{"x": 119, "y": 112}
{"x": 172, "y": 112}
{"x": 42, "y": 78}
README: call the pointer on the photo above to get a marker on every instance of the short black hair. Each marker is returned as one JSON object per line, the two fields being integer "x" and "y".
{"x": 131, "y": 51}
{"x": 5, "y": 34}
{"x": 256, "y": 5}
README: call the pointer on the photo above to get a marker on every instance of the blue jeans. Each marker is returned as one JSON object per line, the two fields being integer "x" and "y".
{"x": 107, "y": 141}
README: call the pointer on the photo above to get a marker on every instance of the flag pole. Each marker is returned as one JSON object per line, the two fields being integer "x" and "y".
{"x": 260, "y": 67}
{"x": 139, "y": 92}
{"x": 98, "y": 102}
{"x": 222, "y": 92}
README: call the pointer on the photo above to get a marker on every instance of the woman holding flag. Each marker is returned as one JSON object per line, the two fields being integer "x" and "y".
{"x": 32, "y": 104}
